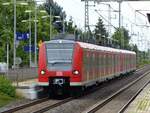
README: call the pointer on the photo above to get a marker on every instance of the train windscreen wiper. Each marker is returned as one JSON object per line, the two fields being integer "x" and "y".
{"x": 59, "y": 61}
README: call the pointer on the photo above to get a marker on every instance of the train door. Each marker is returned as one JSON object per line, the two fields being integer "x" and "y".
{"x": 100, "y": 65}
{"x": 103, "y": 64}
{"x": 121, "y": 62}
{"x": 88, "y": 64}
{"x": 91, "y": 65}
{"x": 131, "y": 61}
{"x": 97, "y": 66}
{"x": 95, "y": 75}
{"x": 108, "y": 64}
{"x": 125, "y": 62}
{"x": 117, "y": 63}
{"x": 112, "y": 63}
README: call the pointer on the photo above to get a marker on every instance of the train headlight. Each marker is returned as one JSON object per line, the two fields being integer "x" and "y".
{"x": 42, "y": 72}
{"x": 75, "y": 72}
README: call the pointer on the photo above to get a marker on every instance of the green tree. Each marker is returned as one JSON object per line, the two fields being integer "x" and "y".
{"x": 6, "y": 29}
{"x": 123, "y": 38}
{"x": 100, "y": 32}
{"x": 56, "y": 10}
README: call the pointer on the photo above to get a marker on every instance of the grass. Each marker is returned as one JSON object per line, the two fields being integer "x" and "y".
{"x": 5, "y": 99}
{"x": 143, "y": 62}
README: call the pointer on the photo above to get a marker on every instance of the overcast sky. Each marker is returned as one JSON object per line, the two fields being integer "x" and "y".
{"x": 75, "y": 8}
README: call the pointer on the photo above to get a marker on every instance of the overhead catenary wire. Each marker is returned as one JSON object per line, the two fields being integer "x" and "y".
{"x": 105, "y": 19}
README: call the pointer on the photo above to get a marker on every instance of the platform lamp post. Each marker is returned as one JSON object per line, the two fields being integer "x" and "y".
{"x": 29, "y": 11}
{"x": 14, "y": 52}
{"x": 50, "y": 26}
{"x": 7, "y": 4}
{"x": 148, "y": 16}
{"x": 35, "y": 33}
{"x": 14, "y": 48}
{"x": 30, "y": 45}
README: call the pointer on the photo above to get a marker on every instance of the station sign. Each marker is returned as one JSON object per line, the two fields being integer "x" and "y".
{"x": 27, "y": 49}
{"x": 22, "y": 36}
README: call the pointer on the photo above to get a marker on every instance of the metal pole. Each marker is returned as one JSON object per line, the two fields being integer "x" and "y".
{"x": 63, "y": 24}
{"x": 7, "y": 56}
{"x": 30, "y": 38}
{"x": 87, "y": 19}
{"x": 109, "y": 19}
{"x": 35, "y": 36}
{"x": 50, "y": 36}
{"x": 14, "y": 52}
{"x": 7, "y": 53}
{"x": 119, "y": 13}
{"x": 122, "y": 33}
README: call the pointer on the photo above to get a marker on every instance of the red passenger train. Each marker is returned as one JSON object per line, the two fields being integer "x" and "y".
{"x": 66, "y": 65}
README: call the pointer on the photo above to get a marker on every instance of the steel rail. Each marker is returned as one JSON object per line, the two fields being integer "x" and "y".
{"x": 132, "y": 99}
{"x": 48, "y": 107}
{"x": 54, "y": 105}
{"x": 11, "y": 110}
{"x": 99, "y": 105}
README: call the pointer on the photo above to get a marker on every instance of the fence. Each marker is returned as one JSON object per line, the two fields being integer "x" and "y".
{"x": 21, "y": 74}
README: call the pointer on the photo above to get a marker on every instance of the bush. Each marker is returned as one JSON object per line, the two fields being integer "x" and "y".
{"x": 6, "y": 86}
{"x": 142, "y": 62}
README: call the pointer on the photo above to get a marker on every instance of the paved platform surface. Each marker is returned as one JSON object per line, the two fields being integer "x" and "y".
{"x": 28, "y": 89}
{"x": 141, "y": 104}
{"x": 26, "y": 83}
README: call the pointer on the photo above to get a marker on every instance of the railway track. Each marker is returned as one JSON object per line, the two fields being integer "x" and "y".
{"x": 132, "y": 99}
{"x": 17, "y": 108}
{"x": 112, "y": 105}
{"x": 38, "y": 106}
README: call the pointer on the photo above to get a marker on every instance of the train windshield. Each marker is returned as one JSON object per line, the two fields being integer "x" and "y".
{"x": 59, "y": 56}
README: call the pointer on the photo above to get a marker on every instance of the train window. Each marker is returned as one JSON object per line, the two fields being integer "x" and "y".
{"x": 59, "y": 56}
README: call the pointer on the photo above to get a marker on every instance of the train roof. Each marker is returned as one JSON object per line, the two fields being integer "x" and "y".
{"x": 60, "y": 41}
{"x": 109, "y": 49}
{"x": 91, "y": 46}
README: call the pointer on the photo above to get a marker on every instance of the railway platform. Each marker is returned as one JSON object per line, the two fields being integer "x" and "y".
{"x": 28, "y": 89}
{"x": 141, "y": 103}
{"x": 25, "y": 83}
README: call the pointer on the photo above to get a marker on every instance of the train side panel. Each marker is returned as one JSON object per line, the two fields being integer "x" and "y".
{"x": 42, "y": 65}
{"x": 77, "y": 66}
{"x": 101, "y": 65}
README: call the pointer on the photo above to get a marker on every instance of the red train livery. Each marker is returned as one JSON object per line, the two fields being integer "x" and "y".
{"x": 68, "y": 65}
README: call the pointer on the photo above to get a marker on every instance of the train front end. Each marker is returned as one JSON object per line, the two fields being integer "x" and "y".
{"x": 59, "y": 66}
